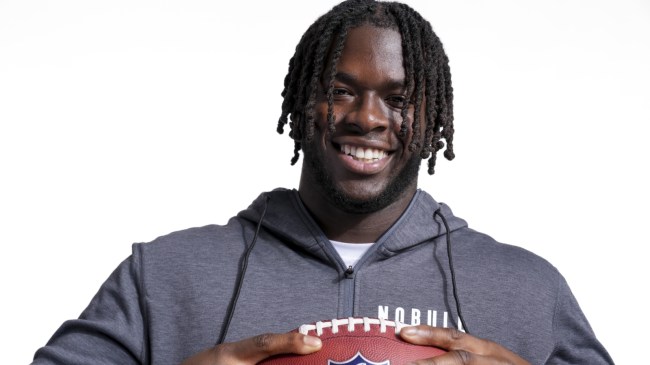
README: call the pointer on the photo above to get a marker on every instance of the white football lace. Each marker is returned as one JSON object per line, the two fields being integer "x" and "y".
{"x": 351, "y": 323}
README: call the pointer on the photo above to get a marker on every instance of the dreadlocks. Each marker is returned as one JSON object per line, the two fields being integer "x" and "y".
{"x": 425, "y": 63}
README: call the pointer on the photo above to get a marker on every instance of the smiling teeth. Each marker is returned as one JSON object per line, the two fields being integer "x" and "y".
{"x": 361, "y": 153}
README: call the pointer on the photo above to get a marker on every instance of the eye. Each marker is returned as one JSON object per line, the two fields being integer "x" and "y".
{"x": 337, "y": 91}
{"x": 396, "y": 101}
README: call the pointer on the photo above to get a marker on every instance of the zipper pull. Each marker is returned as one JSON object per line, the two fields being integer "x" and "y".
{"x": 349, "y": 272}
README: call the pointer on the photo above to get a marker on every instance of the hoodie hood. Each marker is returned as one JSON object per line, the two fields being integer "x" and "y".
{"x": 287, "y": 218}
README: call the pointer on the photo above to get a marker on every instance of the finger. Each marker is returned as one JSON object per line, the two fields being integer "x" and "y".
{"x": 446, "y": 338}
{"x": 459, "y": 357}
{"x": 260, "y": 347}
{"x": 463, "y": 348}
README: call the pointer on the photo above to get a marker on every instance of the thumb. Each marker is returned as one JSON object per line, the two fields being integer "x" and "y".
{"x": 258, "y": 348}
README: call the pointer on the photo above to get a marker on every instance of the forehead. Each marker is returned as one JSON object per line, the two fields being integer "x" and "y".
{"x": 372, "y": 50}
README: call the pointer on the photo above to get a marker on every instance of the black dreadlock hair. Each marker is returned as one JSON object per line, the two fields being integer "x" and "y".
{"x": 425, "y": 63}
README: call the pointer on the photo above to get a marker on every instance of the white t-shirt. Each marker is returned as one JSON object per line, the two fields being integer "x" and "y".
{"x": 351, "y": 252}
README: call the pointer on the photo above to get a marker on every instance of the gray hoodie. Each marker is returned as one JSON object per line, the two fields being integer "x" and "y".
{"x": 170, "y": 298}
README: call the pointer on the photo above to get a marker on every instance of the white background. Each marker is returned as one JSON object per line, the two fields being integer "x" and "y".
{"x": 122, "y": 121}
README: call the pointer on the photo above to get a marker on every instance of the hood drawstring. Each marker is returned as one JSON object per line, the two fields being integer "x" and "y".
{"x": 451, "y": 266}
{"x": 240, "y": 280}
{"x": 242, "y": 273}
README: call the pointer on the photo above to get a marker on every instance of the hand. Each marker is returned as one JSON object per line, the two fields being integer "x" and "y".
{"x": 255, "y": 349}
{"x": 463, "y": 348}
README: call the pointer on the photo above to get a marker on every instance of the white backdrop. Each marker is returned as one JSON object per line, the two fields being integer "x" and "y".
{"x": 122, "y": 121}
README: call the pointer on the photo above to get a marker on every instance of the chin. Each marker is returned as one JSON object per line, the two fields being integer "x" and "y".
{"x": 354, "y": 198}
{"x": 359, "y": 203}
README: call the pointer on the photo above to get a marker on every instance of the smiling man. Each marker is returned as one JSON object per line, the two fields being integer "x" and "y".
{"x": 368, "y": 96}
{"x": 361, "y": 169}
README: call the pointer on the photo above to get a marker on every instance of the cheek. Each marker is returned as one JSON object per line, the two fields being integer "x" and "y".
{"x": 320, "y": 115}
{"x": 321, "y": 134}
{"x": 339, "y": 113}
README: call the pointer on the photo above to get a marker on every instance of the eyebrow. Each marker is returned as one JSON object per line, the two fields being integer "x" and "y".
{"x": 351, "y": 79}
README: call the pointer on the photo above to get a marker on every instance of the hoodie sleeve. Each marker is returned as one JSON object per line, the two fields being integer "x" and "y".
{"x": 109, "y": 331}
{"x": 575, "y": 341}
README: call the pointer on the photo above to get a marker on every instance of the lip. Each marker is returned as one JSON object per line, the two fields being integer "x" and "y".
{"x": 360, "y": 167}
{"x": 362, "y": 142}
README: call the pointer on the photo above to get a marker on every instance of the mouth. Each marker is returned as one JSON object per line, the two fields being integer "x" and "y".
{"x": 363, "y": 154}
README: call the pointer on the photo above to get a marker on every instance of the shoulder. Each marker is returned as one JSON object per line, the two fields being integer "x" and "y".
{"x": 505, "y": 264}
{"x": 484, "y": 244}
{"x": 194, "y": 237}
{"x": 508, "y": 291}
{"x": 191, "y": 248}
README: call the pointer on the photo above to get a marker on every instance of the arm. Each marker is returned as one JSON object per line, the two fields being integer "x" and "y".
{"x": 255, "y": 349}
{"x": 110, "y": 329}
{"x": 575, "y": 342}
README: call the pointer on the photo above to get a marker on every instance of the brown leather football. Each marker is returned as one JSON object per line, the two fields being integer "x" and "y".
{"x": 356, "y": 341}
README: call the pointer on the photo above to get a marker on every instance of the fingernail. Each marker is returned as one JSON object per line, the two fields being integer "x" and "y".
{"x": 312, "y": 341}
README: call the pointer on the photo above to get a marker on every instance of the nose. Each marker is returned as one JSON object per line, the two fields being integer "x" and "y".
{"x": 369, "y": 114}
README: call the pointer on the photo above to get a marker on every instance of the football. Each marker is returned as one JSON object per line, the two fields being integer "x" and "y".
{"x": 354, "y": 341}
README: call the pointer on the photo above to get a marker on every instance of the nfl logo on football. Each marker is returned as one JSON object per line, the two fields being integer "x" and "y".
{"x": 358, "y": 359}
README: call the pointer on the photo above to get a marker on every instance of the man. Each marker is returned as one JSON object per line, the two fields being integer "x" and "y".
{"x": 368, "y": 95}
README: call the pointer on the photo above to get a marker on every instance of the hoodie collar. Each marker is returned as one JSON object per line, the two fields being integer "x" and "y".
{"x": 287, "y": 218}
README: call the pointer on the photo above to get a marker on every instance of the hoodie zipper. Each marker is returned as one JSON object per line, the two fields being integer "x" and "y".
{"x": 348, "y": 292}
{"x": 348, "y": 283}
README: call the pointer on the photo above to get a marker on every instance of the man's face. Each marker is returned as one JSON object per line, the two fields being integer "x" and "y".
{"x": 364, "y": 166}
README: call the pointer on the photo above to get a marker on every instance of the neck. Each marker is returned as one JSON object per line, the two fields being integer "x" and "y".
{"x": 349, "y": 227}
